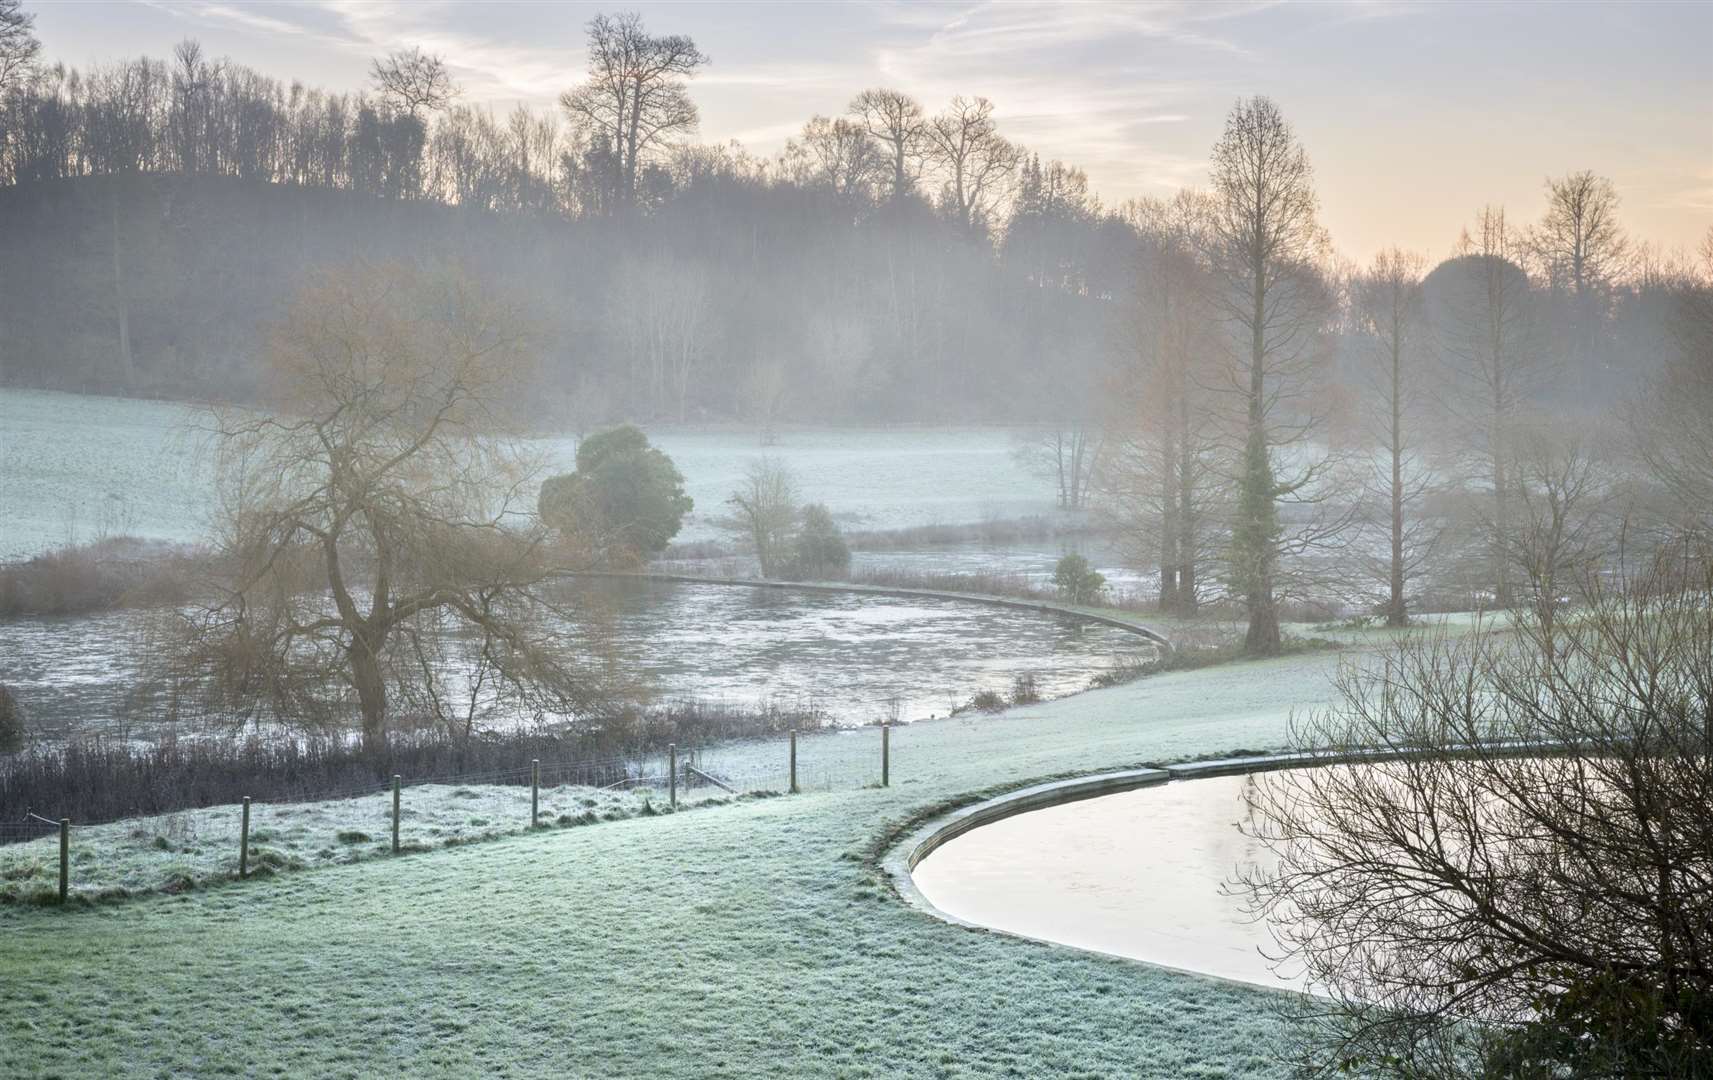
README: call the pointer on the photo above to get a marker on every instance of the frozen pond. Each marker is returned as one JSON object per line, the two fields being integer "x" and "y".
{"x": 853, "y": 656}
{"x": 1137, "y": 874}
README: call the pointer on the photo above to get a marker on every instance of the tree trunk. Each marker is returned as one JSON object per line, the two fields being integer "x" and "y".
{"x": 1186, "y": 513}
{"x": 121, "y": 300}
{"x": 1501, "y": 521}
{"x": 371, "y": 692}
{"x": 1170, "y": 557}
{"x": 1256, "y": 490}
{"x": 1396, "y": 615}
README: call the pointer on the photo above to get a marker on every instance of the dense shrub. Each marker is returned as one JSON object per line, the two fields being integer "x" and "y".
{"x": 79, "y": 579}
{"x": 989, "y": 701}
{"x": 1077, "y": 582}
{"x": 820, "y": 552}
{"x": 625, "y": 499}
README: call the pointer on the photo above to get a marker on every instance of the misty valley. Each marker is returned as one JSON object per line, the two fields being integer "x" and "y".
{"x": 1079, "y": 538}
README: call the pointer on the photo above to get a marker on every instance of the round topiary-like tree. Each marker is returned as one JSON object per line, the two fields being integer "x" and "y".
{"x": 1077, "y": 582}
{"x": 625, "y": 499}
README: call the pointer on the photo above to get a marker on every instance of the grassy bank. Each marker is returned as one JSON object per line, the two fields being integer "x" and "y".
{"x": 754, "y": 940}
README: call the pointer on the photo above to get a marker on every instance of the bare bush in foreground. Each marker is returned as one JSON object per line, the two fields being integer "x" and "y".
{"x": 1469, "y": 910}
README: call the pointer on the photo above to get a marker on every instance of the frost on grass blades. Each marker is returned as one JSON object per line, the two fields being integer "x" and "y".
{"x": 1040, "y": 398}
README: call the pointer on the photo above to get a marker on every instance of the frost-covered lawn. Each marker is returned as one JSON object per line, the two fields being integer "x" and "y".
{"x": 753, "y": 939}
{"x": 63, "y": 455}
{"x": 173, "y": 852}
{"x": 68, "y": 460}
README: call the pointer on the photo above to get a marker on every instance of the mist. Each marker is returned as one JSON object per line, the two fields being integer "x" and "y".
{"x": 367, "y": 446}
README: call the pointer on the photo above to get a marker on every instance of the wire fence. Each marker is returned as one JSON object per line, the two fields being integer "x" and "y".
{"x": 44, "y": 859}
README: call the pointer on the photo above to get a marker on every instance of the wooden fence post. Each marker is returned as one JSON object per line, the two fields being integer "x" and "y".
{"x": 672, "y": 773}
{"x": 395, "y": 813}
{"x": 793, "y": 761}
{"x": 885, "y": 754}
{"x": 64, "y": 858}
{"x": 535, "y": 793}
{"x": 244, "y": 842}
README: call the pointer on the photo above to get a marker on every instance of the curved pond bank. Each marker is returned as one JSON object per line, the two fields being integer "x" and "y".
{"x": 1124, "y": 863}
{"x": 1139, "y": 874}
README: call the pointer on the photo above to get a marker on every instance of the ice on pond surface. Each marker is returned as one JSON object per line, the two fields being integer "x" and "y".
{"x": 1142, "y": 874}
{"x": 851, "y": 655}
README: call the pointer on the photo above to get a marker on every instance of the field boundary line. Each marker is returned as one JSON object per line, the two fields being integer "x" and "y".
{"x": 1044, "y": 606}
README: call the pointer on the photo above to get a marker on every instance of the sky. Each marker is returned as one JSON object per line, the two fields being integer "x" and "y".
{"x": 1414, "y": 114}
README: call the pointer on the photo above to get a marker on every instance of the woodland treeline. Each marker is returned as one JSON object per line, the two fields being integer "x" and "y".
{"x": 157, "y": 213}
{"x": 1262, "y": 419}
{"x": 893, "y": 263}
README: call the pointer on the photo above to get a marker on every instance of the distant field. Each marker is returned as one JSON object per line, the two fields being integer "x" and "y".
{"x": 62, "y": 456}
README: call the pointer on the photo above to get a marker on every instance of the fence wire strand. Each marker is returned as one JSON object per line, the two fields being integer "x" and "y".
{"x": 311, "y": 827}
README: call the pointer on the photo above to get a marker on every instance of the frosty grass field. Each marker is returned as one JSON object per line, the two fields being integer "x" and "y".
{"x": 756, "y": 937}
{"x": 63, "y": 455}
{"x": 749, "y": 939}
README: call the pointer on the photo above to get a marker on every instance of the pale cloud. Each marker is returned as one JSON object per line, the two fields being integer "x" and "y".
{"x": 1134, "y": 93}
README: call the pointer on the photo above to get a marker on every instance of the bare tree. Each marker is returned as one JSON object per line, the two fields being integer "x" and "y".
{"x": 1268, "y": 245}
{"x": 635, "y": 99}
{"x": 1388, "y": 300}
{"x": 764, "y": 512}
{"x": 18, "y": 44}
{"x": 1067, "y": 453}
{"x": 1580, "y": 240}
{"x": 1670, "y": 424}
{"x": 665, "y": 310}
{"x": 191, "y": 121}
{"x": 1160, "y": 480}
{"x": 1488, "y": 333}
{"x": 895, "y": 120}
{"x": 975, "y": 162}
{"x": 413, "y": 81}
{"x": 371, "y": 511}
{"x": 1472, "y": 908}
{"x": 837, "y": 154}
{"x": 1556, "y": 540}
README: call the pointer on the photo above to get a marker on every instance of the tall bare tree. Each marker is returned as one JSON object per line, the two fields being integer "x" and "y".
{"x": 413, "y": 81}
{"x": 635, "y": 99}
{"x": 975, "y": 163}
{"x": 1389, "y": 310}
{"x": 1488, "y": 332}
{"x": 1268, "y": 246}
{"x": 18, "y": 43}
{"x": 895, "y": 120}
{"x": 371, "y": 511}
{"x": 1160, "y": 479}
{"x": 1580, "y": 240}
{"x": 1670, "y": 423}
{"x": 836, "y": 154}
